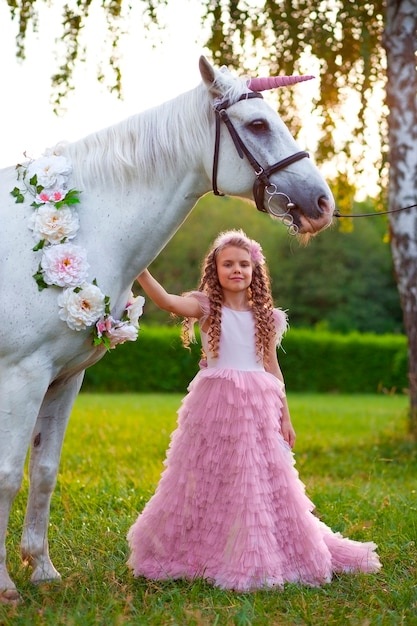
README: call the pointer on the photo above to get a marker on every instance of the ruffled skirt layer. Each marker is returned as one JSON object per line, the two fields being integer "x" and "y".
{"x": 230, "y": 507}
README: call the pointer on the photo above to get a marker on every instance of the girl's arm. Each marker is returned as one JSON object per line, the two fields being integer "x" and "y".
{"x": 273, "y": 367}
{"x": 179, "y": 305}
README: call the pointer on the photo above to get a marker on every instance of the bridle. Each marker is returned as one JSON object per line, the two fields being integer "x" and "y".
{"x": 262, "y": 182}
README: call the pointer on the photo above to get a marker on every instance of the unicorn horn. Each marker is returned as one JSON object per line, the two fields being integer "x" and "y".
{"x": 270, "y": 82}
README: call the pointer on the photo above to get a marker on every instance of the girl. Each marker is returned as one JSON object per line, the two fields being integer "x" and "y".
{"x": 229, "y": 506}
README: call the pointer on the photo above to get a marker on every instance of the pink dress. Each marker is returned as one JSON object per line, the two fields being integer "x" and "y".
{"x": 229, "y": 506}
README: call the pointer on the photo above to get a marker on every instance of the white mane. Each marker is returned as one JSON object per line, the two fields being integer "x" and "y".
{"x": 159, "y": 138}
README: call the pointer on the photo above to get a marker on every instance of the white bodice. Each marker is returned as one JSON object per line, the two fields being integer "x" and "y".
{"x": 237, "y": 342}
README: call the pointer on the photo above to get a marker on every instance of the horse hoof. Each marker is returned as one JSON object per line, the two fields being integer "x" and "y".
{"x": 48, "y": 583}
{"x": 9, "y": 596}
{"x": 40, "y": 577}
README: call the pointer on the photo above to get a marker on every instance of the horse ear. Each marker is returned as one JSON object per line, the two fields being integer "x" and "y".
{"x": 206, "y": 70}
{"x": 211, "y": 77}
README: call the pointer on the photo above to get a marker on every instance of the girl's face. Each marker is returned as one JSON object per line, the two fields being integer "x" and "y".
{"x": 234, "y": 269}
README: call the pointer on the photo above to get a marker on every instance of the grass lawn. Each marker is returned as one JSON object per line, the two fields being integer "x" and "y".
{"x": 359, "y": 468}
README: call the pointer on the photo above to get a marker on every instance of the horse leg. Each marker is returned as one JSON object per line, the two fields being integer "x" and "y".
{"x": 46, "y": 446}
{"x": 11, "y": 473}
{"x": 20, "y": 397}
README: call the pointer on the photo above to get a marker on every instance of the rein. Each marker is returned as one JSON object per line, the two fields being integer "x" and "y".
{"x": 404, "y": 208}
{"x": 262, "y": 181}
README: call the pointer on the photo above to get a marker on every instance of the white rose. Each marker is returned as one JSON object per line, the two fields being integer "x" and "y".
{"x": 134, "y": 309}
{"x": 121, "y": 333}
{"x": 81, "y": 308}
{"x": 51, "y": 171}
{"x": 53, "y": 225}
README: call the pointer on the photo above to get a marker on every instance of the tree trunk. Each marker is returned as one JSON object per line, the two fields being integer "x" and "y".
{"x": 400, "y": 42}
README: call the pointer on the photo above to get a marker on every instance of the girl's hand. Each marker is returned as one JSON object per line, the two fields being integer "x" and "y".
{"x": 288, "y": 432}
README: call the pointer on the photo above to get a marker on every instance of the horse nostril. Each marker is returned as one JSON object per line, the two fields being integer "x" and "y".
{"x": 326, "y": 207}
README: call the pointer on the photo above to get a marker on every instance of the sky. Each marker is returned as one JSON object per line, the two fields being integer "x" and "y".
{"x": 153, "y": 71}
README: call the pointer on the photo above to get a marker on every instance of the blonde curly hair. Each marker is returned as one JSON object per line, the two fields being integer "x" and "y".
{"x": 259, "y": 294}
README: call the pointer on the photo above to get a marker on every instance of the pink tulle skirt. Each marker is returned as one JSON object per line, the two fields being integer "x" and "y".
{"x": 229, "y": 506}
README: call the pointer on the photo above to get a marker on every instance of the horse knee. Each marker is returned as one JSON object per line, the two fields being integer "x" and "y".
{"x": 10, "y": 481}
{"x": 43, "y": 476}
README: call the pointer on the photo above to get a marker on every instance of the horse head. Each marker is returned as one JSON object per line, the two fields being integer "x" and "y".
{"x": 279, "y": 176}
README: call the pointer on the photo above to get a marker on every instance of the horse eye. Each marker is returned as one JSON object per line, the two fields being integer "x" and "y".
{"x": 258, "y": 126}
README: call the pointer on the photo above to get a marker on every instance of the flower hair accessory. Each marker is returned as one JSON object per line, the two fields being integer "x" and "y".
{"x": 53, "y": 223}
{"x": 240, "y": 239}
{"x": 256, "y": 253}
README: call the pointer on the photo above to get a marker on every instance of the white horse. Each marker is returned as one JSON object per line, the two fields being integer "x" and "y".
{"x": 138, "y": 180}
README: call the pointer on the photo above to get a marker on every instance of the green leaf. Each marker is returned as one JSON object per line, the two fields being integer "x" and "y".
{"x": 97, "y": 341}
{"x": 70, "y": 201}
{"x": 39, "y": 245}
{"x": 38, "y": 276}
{"x": 16, "y": 193}
{"x": 70, "y": 198}
{"x": 33, "y": 181}
{"x": 73, "y": 194}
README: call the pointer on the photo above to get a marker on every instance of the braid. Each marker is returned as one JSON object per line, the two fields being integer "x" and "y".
{"x": 210, "y": 285}
{"x": 262, "y": 308}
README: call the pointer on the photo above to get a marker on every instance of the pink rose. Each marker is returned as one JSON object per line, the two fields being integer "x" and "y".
{"x": 64, "y": 265}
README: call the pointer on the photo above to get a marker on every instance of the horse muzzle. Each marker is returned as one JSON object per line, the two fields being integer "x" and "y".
{"x": 298, "y": 219}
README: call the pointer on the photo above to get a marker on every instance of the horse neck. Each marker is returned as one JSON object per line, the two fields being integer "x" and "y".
{"x": 139, "y": 181}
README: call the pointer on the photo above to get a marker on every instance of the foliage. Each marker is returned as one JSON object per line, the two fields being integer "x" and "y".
{"x": 74, "y": 18}
{"x": 340, "y": 281}
{"x": 343, "y": 38}
{"x": 156, "y": 362}
{"x": 310, "y": 360}
{"x": 353, "y": 363}
{"x": 359, "y": 469}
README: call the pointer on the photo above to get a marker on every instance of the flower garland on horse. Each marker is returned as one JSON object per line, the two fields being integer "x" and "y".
{"x": 54, "y": 224}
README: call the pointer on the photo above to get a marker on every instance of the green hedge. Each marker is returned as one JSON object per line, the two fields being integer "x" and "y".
{"x": 310, "y": 360}
{"x": 353, "y": 363}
